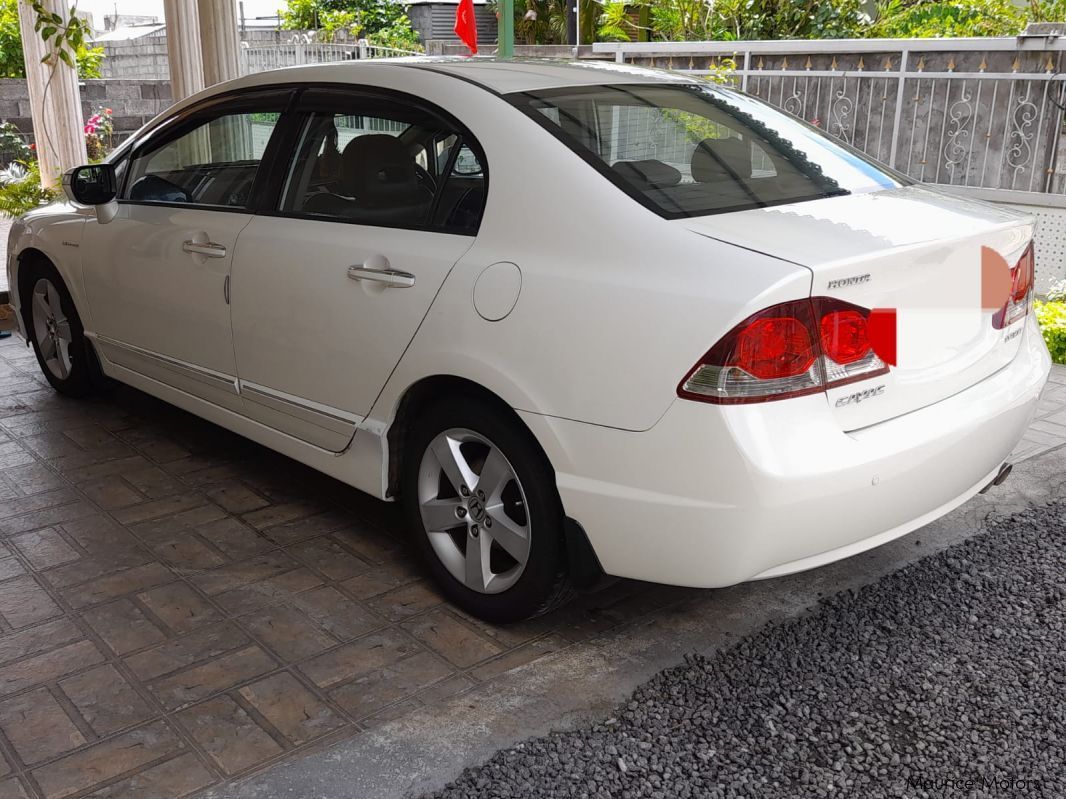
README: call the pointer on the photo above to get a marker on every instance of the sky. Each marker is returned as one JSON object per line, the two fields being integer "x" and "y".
{"x": 252, "y": 8}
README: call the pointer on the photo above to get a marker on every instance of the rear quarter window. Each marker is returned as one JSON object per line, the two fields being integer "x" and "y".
{"x": 690, "y": 149}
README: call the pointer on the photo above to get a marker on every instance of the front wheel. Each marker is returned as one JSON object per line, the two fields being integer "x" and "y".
{"x": 481, "y": 501}
{"x": 56, "y": 333}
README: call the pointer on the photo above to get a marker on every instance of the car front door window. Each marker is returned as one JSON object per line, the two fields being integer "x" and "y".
{"x": 214, "y": 164}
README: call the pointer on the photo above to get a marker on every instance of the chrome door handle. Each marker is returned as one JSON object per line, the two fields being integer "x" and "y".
{"x": 392, "y": 278}
{"x": 208, "y": 249}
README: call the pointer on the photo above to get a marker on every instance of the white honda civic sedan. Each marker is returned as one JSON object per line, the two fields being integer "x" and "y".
{"x": 578, "y": 319}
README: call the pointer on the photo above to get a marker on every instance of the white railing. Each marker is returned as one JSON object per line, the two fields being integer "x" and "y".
{"x": 259, "y": 58}
{"x": 981, "y": 113}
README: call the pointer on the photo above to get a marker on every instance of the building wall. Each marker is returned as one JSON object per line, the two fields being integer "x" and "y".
{"x": 146, "y": 58}
{"x": 132, "y": 102}
{"x": 435, "y": 22}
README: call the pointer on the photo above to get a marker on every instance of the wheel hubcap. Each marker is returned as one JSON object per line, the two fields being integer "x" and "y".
{"x": 474, "y": 510}
{"x": 51, "y": 329}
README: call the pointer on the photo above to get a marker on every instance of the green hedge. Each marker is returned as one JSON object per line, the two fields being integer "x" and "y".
{"x": 1052, "y": 318}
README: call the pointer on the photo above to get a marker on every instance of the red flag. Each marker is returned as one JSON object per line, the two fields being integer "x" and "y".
{"x": 466, "y": 25}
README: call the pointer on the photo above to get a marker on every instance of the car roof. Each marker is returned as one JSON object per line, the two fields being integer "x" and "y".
{"x": 504, "y": 77}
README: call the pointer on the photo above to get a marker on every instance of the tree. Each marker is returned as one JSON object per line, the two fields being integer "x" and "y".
{"x": 12, "y": 64}
{"x": 381, "y": 22}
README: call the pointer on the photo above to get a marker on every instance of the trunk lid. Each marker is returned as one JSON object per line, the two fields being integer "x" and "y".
{"x": 913, "y": 249}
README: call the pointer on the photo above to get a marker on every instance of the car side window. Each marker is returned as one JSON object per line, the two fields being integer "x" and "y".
{"x": 391, "y": 166}
{"x": 462, "y": 198}
{"x": 212, "y": 162}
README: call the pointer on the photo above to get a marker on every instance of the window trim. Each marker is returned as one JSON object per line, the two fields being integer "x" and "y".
{"x": 280, "y": 151}
{"x": 188, "y": 118}
{"x": 344, "y": 92}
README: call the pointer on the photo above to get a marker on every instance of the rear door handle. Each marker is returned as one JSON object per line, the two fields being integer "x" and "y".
{"x": 392, "y": 278}
{"x": 208, "y": 249}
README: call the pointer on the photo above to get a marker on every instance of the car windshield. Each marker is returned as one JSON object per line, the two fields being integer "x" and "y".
{"x": 689, "y": 149}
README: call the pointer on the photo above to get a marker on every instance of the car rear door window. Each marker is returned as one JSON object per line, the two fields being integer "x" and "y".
{"x": 375, "y": 161}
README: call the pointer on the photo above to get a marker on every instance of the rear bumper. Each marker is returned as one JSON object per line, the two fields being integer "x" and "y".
{"x": 716, "y": 495}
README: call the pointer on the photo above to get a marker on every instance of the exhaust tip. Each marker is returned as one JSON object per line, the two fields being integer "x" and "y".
{"x": 1004, "y": 473}
{"x": 1001, "y": 476}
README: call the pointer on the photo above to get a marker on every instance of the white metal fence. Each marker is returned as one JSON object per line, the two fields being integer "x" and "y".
{"x": 259, "y": 58}
{"x": 983, "y": 113}
{"x": 982, "y": 117}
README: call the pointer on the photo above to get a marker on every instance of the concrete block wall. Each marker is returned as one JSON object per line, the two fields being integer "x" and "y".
{"x": 146, "y": 58}
{"x": 132, "y": 102}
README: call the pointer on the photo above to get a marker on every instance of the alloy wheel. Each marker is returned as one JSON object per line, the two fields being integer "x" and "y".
{"x": 51, "y": 328}
{"x": 474, "y": 510}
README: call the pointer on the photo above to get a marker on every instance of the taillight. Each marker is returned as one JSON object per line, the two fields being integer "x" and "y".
{"x": 1021, "y": 291}
{"x": 789, "y": 350}
{"x": 844, "y": 337}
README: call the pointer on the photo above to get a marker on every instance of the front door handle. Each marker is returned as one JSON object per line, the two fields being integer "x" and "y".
{"x": 208, "y": 249}
{"x": 392, "y": 278}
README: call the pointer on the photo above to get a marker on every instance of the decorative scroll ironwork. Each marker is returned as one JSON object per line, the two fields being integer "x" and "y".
{"x": 978, "y": 113}
{"x": 1019, "y": 151}
{"x": 958, "y": 138}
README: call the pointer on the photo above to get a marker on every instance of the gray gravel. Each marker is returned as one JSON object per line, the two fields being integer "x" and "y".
{"x": 950, "y": 670}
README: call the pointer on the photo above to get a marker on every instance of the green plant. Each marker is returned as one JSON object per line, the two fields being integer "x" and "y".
{"x": 99, "y": 129}
{"x": 68, "y": 40}
{"x": 614, "y": 23}
{"x": 399, "y": 35}
{"x": 724, "y": 72}
{"x": 12, "y": 144}
{"x": 1052, "y": 318}
{"x": 1057, "y": 291}
{"x": 1047, "y": 10}
{"x": 381, "y": 22}
{"x": 537, "y": 21}
{"x": 932, "y": 18}
{"x": 24, "y": 193}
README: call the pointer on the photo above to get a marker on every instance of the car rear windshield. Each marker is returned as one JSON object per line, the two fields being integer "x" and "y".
{"x": 690, "y": 149}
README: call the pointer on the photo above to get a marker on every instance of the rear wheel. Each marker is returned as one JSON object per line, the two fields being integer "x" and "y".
{"x": 481, "y": 500}
{"x": 56, "y": 332}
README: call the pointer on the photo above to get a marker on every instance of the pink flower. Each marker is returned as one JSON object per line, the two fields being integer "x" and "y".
{"x": 89, "y": 129}
{"x": 107, "y": 111}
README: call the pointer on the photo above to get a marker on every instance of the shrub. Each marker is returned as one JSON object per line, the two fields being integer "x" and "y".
{"x": 1052, "y": 318}
{"x": 99, "y": 129}
{"x": 1057, "y": 292}
{"x": 12, "y": 144}
{"x": 22, "y": 190}
{"x": 383, "y": 23}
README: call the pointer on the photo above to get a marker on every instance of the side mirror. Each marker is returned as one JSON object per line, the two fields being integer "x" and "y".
{"x": 94, "y": 184}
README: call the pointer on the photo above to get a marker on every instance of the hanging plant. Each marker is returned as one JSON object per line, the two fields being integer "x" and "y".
{"x": 65, "y": 37}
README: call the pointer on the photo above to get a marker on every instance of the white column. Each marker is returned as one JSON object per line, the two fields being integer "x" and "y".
{"x": 183, "y": 47}
{"x": 219, "y": 42}
{"x": 55, "y": 101}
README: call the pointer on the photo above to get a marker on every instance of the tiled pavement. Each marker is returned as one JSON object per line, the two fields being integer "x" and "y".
{"x": 180, "y": 607}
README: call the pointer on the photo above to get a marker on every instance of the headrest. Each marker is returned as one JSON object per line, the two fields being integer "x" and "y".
{"x": 649, "y": 174}
{"x": 378, "y": 167}
{"x": 721, "y": 159}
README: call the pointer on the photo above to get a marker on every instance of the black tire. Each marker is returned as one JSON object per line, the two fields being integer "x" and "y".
{"x": 79, "y": 378}
{"x": 543, "y": 583}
